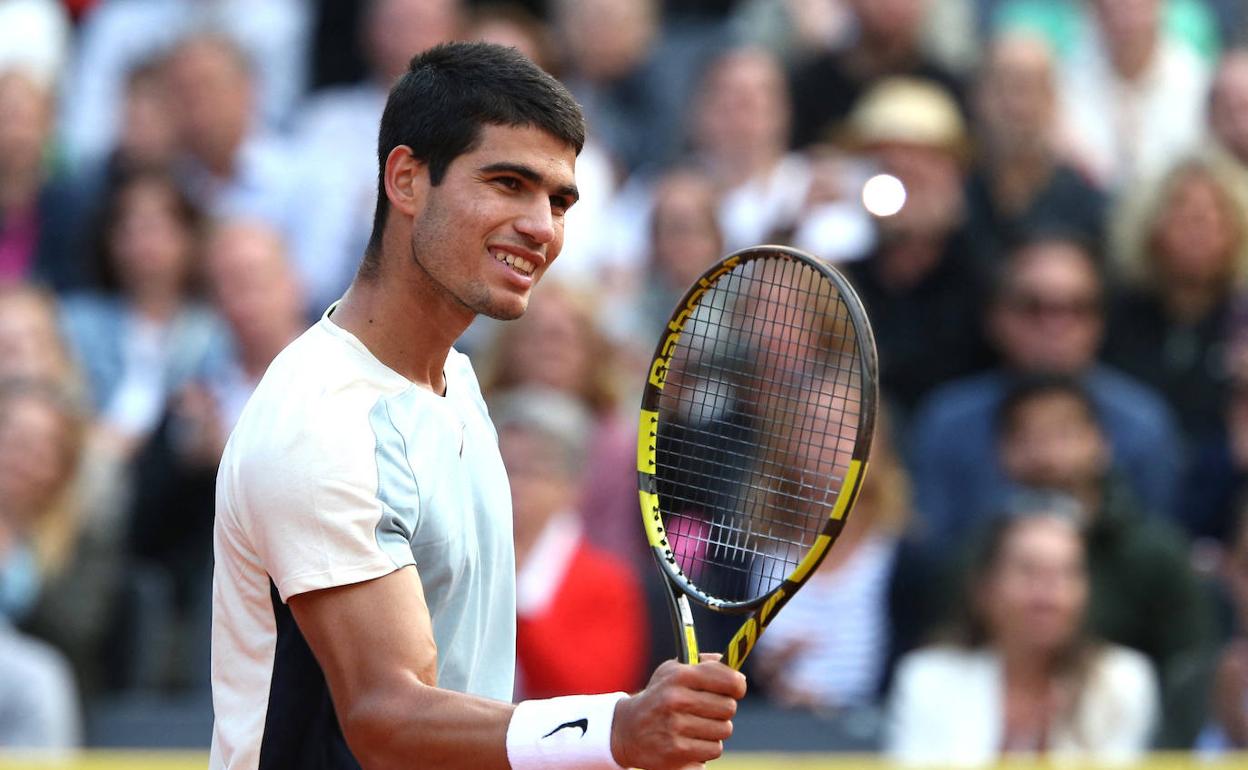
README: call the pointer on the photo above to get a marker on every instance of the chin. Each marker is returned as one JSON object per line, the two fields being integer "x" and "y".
{"x": 505, "y": 311}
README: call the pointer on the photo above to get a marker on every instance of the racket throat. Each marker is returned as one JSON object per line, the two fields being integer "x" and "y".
{"x": 682, "y": 616}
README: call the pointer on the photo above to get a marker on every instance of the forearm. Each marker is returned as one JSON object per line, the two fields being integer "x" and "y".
{"x": 444, "y": 729}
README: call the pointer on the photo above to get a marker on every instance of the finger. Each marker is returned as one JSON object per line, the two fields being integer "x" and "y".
{"x": 701, "y": 728}
{"x": 710, "y": 657}
{"x": 692, "y": 750}
{"x": 715, "y": 677}
{"x": 709, "y": 705}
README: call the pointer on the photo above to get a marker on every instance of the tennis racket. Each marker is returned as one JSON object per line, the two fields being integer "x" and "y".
{"x": 755, "y": 428}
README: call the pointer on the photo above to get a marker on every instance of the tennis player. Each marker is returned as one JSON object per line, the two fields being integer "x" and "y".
{"x": 363, "y": 596}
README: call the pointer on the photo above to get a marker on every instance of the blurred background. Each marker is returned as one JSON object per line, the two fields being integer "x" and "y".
{"x": 1051, "y": 552}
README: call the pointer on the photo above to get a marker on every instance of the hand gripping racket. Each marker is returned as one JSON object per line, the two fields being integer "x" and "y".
{"x": 755, "y": 428}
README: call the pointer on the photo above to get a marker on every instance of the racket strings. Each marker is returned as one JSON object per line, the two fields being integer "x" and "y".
{"x": 758, "y": 422}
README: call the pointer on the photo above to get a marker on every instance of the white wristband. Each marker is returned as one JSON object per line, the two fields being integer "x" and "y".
{"x": 569, "y": 733}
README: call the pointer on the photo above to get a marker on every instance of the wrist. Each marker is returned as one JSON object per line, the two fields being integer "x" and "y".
{"x": 569, "y": 733}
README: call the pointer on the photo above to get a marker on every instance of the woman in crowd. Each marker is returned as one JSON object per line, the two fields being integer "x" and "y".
{"x": 1020, "y": 675}
{"x": 147, "y": 334}
{"x": 557, "y": 345}
{"x": 828, "y": 649}
{"x": 40, "y": 445}
{"x": 1184, "y": 251}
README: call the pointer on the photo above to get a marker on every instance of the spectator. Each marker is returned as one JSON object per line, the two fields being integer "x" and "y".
{"x": 146, "y": 336}
{"x": 1020, "y": 183}
{"x": 557, "y": 345}
{"x": 338, "y": 127}
{"x": 1046, "y": 316}
{"x": 1133, "y": 98}
{"x": 1022, "y": 676}
{"x": 71, "y": 572}
{"x": 118, "y": 34}
{"x": 33, "y": 237}
{"x": 228, "y": 164}
{"x": 511, "y": 24}
{"x": 1050, "y": 437}
{"x": 582, "y": 622}
{"x": 632, "y": 83}
{"x": 252, "y": 285}
{"x": 1185, "y": 251}
{"x": 147, "y": 137}
{"x": 40, "y": 443}
{"x": 808, "y": 660}
{"x": 925, "y": 281}
{"x": 685, "y": 240}
{"x": 740, "y": 136}
{"x": 888, "y": 44}
{"x": 31, "y": 346}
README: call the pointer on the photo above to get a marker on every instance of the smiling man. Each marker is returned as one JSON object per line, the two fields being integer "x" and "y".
{"x": 364, "y": 593}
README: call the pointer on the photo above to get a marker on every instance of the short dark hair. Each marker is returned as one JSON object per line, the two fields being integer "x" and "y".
{"x": 439, "y": 106}
{"x": 1002, "y": 275}
{"x": 1027, "y": 388}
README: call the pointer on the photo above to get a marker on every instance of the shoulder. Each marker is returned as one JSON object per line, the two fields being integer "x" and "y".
{"x": 1123, "y": 667}
{"x": 941, "y": 666}
{"x": 962, "y": 399}
{"x": 311, "y": 413}
{"x": 89, "y": 303}
{"x": 1118, "y": 393}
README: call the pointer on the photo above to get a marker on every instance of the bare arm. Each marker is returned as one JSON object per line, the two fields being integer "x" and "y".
{"x": 374, "y": 641}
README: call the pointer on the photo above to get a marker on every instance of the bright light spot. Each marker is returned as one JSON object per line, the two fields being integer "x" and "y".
{"x": 883, "y": 195}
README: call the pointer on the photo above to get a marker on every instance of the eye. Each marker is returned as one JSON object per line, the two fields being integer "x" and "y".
{"x": 560, "y": 205}
{"x": 508, "y": 182}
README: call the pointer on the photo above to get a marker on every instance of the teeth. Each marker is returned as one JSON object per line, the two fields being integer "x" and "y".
{"x": 519, "y": 264}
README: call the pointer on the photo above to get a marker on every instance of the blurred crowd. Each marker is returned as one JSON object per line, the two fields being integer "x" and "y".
{"x": 1051, "y": 551}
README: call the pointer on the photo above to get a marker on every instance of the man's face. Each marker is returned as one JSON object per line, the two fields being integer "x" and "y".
{"x": 1048, "y": 317}
{"x": 1053, "y": 443}
{"x": 744, "y": 106}
{"x": 491, "y": 229}
{"x": 1016, "y": 98}
{"x": 212, "y": 97}
{"x": 251, "y": 281}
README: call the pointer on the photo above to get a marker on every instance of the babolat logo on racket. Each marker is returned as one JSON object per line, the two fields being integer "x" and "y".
{"x": 658, "y": 369}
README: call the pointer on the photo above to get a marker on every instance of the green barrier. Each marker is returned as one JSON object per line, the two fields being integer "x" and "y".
{"x": 107, "y": 760}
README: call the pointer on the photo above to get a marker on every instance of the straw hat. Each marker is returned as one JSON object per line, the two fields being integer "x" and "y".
{"x": 908, "y": 111}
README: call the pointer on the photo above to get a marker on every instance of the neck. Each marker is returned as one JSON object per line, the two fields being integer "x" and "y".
{"x": 740, "y": 167}
{"x": 1188, "y": 302}
{"x": 878, "y": 55}
{"x": 156, "y": 305}
{"x": 1017, "y": 177}
{"x": 1026, "y": 670}
{"x": 1131, "y": 59}
{"x": 404, "y": 319}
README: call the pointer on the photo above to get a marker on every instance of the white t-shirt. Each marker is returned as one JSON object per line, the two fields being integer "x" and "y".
{"x": 340, "y": 470}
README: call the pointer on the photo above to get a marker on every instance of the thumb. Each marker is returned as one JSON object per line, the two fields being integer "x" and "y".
{"x": 709, "y": 657}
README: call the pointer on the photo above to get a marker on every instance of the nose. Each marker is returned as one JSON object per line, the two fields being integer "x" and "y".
{"x": 537, "y": 224}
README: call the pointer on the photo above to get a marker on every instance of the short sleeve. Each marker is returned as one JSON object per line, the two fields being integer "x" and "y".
{"x": 309, "y": 499}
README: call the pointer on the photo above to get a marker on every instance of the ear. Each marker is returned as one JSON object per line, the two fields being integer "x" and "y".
{"x": 407, "y": 181}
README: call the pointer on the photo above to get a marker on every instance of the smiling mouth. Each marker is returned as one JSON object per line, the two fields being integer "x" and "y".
{"x": 519, "y": 264}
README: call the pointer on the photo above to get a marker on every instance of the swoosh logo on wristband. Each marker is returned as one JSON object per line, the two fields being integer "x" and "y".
{"x": 581, "y": 723}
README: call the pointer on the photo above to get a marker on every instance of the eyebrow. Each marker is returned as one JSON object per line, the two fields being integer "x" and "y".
{"x": 519, "y": 169}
